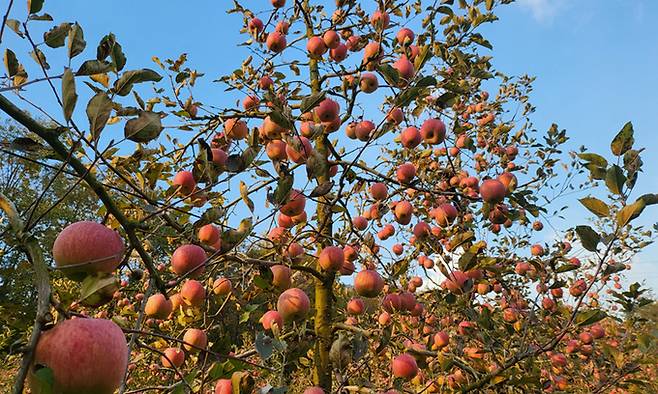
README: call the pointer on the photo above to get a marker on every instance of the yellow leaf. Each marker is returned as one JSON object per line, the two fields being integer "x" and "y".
{"x": 103, "y": 79}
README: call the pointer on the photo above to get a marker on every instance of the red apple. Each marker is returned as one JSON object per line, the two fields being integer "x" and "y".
{"x": 368, "y": 83}
{"x": 299, "y": 149}
{"x": 235, "y": 129}
{"x": 433, "y": 131}
{"x": 84, "y": 355}
{"x": 276, "y": 150}
{"x": 316, "y": 46}
{"x": 85, "y": 247}
{"x": 339, "y": 53}
{"x": 356, "y": 306}
{"x": 405, "y": 36}
{"x": 380, "y": 19}
{"x": 331, "y": 39}
{"x": 281, "y": 276}
{"x": 189, "y": 259}
{"x": 492, "y": 191}
{"x": 406, "y": 172}
{"x": 172, "y": 357}
{"x": 295, "y": 204}
{"x": 403, "y": 212}
{"x": 293, "y": 304}
{"x": 195, "y": 340}
{"x": 193, "y": 293}
{"x": 184, "y": 181}
{"x": 410, "y": 137}
{"x": 364, "y": 129}
{"x": 270, "y": 318}
{"x": 331, "y": 258}
{"x": 209, "y": 234}
{"x": 158, "y": 307}
{"x": 404, "y": 366}
{"x": 222, "y": 286}
{"x": 224, "y": 386}
{"x": 368, "y": 283}
{"x": 327, "y": 110}
{"x": 404, "y": 67}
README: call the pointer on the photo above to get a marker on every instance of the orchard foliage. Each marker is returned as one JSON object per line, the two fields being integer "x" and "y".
{"x": 364, "y": 213}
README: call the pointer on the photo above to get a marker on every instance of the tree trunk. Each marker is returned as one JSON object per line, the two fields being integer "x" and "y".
{"x": 324, "y": 305}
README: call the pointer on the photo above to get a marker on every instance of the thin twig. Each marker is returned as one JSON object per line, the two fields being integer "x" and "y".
{"x": 4, "y": 19}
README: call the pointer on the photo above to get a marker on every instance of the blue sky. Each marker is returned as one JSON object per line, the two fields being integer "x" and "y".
{"x": 595, "y": 61}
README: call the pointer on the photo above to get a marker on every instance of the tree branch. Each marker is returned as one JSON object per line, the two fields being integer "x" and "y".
{"x": 52, "y": 138}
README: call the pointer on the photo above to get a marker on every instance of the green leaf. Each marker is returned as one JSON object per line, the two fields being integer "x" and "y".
{"x": 444, "y": 9}
{"x": 312, "y": 101}
{"x": 124, "y": 85}
{"x": 322, "y": 189}
{"x": 614, "y": 268}
{"x": 649, "y": 199}
{"x": 97, "y": 290}
{"x": 593, "y": 158}
{"x": 264, "y": 345}
{"x": 98, "y": 113}
{"x": 566, "y": 268}
{"x": 91, "y": 67}
{"x": 34, "y": 6}
{"x": 588, "y": 237}
{"x": 25, "y": 144}
{"x": 426, "y": 81}
{"x": 42, "y": 17}
{"x": 407, "y": 96}
{"x": 391, "y": 75}
{"x": 460, "y": 239}
{"x": 244, "y": 193}
{"x": 118, "y": 57}
{"x": 146, "y": 127}
{"x": 282, "y": 190}
{"x": 77, "y": 41}
{"x": 424, "y": 55}
{"x": 630, "y": 212}
{"x": 615, "y": 179}
{"x": 597, "y": 172}
{"x": 466, "y": 261}
{"x": 216, "y": 371}
{"x": 446, "y": 99}
{"x": 179, "y": 388}
{"x": 590, "y": 317}
{"x": 69, "y": 96}
{"x": 11, "y": 63}
{"x": 56, "y": 36}
{"x": 623, "y": 141}
{"x": 44, "y": 379}
{"x": 15, "y": 25}
{"x": 40, "y": 58}
{"x": 478, "y": 39}
{"x": 596, "y": 206}
{"x": 110, "y": 47}
{"x": 278, "y": 118}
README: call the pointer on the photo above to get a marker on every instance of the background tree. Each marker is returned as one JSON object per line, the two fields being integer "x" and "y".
{"x": 239, "y": 223}
{"x": 51, "y": 199}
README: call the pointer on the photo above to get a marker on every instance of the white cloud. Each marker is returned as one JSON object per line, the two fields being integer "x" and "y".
{"x": 543, "y": 10}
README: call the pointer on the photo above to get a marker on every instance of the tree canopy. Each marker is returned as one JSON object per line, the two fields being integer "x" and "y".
{"x": 362, "y": 211}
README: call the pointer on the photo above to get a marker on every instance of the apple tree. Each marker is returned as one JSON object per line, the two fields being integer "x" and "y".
{"x": 362, "y": 212}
